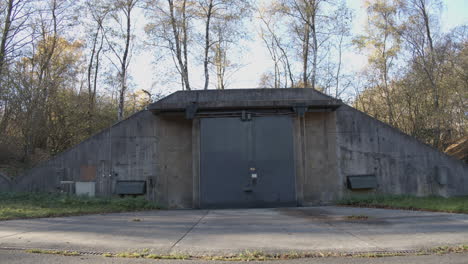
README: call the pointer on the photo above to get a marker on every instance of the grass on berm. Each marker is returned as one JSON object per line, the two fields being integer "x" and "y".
{"x": 431, "y": 203}
{"x": 34, "y": 205}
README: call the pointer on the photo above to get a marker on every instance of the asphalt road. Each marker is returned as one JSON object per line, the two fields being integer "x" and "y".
{"x": 21, "y": 257}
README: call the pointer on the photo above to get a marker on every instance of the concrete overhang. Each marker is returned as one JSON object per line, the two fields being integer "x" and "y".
{"x": 295, "y": 99}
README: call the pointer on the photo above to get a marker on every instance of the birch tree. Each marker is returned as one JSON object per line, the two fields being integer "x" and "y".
{"x": 97, "y": 16}
{"x": 383, "y": 43}
{"x": 308, "y": 27}
{"x": 121, "y": 42}
{"x": 170, "y": 28}
{"x": 270, "y": 33}
{"x": 222, "y": 26}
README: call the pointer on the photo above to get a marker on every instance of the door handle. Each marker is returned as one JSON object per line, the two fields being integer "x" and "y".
{"x": 254, "y": 177}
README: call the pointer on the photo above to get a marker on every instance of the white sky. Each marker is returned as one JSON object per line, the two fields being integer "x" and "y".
{"x": 255, "y": 57}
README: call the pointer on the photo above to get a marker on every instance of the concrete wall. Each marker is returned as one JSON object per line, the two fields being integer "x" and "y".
{"x": 142, "y": 147}
{"x": 175, "y": 181}
{"x": 402, "y": 164}
{"x": 322, "y": 182}
{"x": 5, "y": 183}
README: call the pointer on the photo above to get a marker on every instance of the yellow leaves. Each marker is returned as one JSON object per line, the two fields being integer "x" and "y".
{"x": 59, "y": 48}
{"x": 360, "y": 41}
{"x": 383, "y": 32}
{"x": 137, "y": 100}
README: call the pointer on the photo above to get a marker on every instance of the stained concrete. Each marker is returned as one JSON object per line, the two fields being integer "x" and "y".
{"x": 322, "y": 181}
{"x": 402, "y": 164}
{"x": 143, "y": 147}
{"x": 202, "y": 232}
{"x": 127, "y": 150}
{"x": 175, "y": 162}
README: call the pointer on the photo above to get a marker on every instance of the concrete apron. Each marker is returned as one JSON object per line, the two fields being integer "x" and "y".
{"x": 216, "y": 232}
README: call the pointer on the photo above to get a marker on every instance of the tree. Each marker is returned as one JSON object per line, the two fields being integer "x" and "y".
{"x": 306, "y": 29}
{"x": 419, "y": 40}
{"x": 120, "y": 42}
{"x": 37, "y": 96}
{"x": 14, "y": 16}
{"x": 170, "y": 28}
{"x": 340, "y": 42}
{"x": 222, "y": 26}
{"x": 412, "y": 95}
{"x": 382, "y": 40}
{"x": 98, "y": 14}
{"x": 271, "y": 36}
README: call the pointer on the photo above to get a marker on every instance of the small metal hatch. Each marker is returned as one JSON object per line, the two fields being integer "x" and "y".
{"x": 360, "y": 182}
{"x": 130, "y": 187}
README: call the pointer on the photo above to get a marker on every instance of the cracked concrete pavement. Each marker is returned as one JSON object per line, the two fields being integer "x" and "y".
{"x": 200, "y": 232}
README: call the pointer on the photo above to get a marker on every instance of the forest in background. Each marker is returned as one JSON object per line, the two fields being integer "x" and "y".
{"x": 64, "y": 65}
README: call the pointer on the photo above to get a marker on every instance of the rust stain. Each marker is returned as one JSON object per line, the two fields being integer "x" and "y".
{"x": 87, "y": 173}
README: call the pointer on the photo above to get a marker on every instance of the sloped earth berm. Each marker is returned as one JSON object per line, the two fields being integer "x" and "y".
{"x": 224, "y": 232}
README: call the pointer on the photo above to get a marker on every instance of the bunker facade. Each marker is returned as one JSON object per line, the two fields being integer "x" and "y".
{"x": 248, "y": 148}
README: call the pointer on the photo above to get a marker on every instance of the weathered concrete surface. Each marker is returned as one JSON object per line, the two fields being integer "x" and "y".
{"x": 231, "y": 231}
{"x": 127, "y": 150}
{"x": 402, "y": 164}
{"x": 175, "y": 162}
{"x": 322, "y": 181}
{"x": 143, "y": 147}
{"x": 5, "y": 183}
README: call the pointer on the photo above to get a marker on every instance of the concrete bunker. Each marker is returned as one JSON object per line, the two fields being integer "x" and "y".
{"x": 249, "y": 148}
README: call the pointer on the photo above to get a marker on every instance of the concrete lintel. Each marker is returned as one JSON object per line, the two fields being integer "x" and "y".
{"x": 162, "y": 107}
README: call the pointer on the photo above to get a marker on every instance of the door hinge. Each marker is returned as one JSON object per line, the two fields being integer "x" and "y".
{"x": 246, "y": 116}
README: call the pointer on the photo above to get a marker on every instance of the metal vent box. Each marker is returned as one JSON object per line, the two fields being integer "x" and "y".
{"x": 357, "y": 182}
{"x": 130, "y": 187}
{"x": 85, "y": 188}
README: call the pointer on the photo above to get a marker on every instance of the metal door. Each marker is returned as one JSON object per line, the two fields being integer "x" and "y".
{"x": 247, "y": 163}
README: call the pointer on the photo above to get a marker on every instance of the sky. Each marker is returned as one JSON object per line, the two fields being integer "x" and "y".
{"x": 256, "y": 60}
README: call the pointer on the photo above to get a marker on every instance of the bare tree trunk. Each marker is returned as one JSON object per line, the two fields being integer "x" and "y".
{"x": 3, "y": 44}
{"x": 429, "y": 69}
{"x": 124, "y": 61}
{"x": 338, "y": 70}
{"x": 181, "y": 56}
{"x": 96, "y": 72}
{"x": 221, "y": 67}
{"x": 91, "y": 94}
{"x": 5, "y": 35}
{"x": 385, "y": 83}
{"x": 207, "y": 43}
{"x": 314, "y": 47}
{"x": 184, "y": 30}
{"x": 305, "y": 57}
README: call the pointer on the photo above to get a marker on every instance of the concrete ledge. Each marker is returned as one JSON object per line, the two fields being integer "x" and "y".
{"x": 244, "y": 98}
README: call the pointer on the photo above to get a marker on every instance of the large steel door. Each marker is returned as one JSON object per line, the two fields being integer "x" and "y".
{"x": 247, "y": 163}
